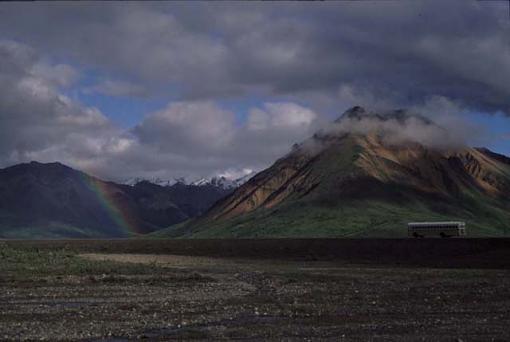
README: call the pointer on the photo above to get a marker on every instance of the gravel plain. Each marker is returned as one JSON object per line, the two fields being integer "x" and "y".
{"x": 170, "y": 297}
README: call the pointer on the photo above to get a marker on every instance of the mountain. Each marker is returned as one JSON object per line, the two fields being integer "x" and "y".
{"x": 194, "y": 200}
{"x": 224, "y": 182}
{"x": 367, "y": 174}
{"x": 54, "y": 200}
{"x": 155, "y": 180}
{"x": 221, "y": 182}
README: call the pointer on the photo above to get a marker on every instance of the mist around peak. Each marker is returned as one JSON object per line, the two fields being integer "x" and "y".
{"x": 398, "y": 128}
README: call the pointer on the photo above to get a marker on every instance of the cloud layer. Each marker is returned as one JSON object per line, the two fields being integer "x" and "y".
{"x": 37, "y": 120}
{"x": 187, "y": 138}
{"x": 380, "y": 51}
{"x": 304, "y": 63}
{"x": 395, "y": 129}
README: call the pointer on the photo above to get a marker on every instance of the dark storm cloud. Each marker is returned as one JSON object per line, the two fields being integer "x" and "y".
{"x": 411, "y": 50}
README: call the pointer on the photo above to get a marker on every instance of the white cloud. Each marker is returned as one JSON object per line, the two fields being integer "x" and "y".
{"x": 60, "y": 75}
{"x": 37, "y": 121}
{"x": 280, "y": 115}
{"x": 400, "y": 128}
{"x": 190, "y": 127}
{"x": 205, "y": 139}
{"x": 450, "y": 115}
{"x": 234, "y": 174}
{"x": 186, "y": 138}
{"x": 119, "y": 145}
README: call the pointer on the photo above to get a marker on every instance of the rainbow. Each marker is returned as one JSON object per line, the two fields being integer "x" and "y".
{"x": 118, "y": 211}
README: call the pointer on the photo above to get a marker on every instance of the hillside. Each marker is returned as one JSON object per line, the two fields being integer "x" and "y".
{"x": 53, "y": 200}
{"x": 366, "y": 175}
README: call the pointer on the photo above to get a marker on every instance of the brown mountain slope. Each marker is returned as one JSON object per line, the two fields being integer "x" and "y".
{"x": 366, "y": 173}
{"x": 300, "y": 174}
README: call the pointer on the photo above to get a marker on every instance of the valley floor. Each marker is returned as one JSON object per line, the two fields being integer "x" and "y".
{"x": 64, "y": 294}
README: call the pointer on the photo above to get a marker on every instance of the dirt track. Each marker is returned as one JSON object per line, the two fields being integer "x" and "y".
{"x": 169, "y": 297}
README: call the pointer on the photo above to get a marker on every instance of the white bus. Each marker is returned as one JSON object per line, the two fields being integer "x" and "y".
{"x": 438, "y": 229}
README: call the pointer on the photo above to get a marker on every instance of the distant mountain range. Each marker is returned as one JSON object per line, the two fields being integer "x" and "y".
{"x": 53, "y": 200}
{"x": 368, "y": 174}
{"x": 216, "y": 181}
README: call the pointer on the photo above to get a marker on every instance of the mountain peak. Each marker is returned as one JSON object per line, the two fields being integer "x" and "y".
{"x": 54, "y": 168}
{"x": 55, "y": 164}
{"x": 356, "y": 112}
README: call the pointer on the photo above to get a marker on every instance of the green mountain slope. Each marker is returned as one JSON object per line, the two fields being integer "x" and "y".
{"x": 361, "y": 183}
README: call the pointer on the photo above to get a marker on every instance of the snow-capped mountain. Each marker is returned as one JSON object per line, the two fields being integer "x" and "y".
{"x": 225, "y": 182}
{"x": 157, "y": 181}
{"x": 241, "y": 180}
{"x": 221, "y": 181}
{"x": 218, "y": 181}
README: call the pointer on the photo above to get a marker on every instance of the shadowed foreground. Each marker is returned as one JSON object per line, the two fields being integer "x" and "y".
{"x": 71, "y": 294}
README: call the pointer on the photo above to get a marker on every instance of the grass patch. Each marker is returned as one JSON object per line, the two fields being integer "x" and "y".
{"x": 358, "y": 218}
{"x": 34, "y": 262}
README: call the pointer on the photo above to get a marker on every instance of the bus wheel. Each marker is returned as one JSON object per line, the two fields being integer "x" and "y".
{"x": 443, "y": 235}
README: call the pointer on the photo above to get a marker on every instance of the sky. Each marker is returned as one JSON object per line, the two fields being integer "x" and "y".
{"x": 196, "y": 89}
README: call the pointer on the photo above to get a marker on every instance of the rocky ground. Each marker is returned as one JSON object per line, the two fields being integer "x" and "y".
{"x": 61, "y": 295}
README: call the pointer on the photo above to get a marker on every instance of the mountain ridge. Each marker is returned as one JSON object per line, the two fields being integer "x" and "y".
{"x": 227, "y": 183}
{"x": 359, "y": 173}
{"x": 55, "y": 200}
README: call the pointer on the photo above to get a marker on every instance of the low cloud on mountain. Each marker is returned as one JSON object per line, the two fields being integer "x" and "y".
{"x": 411, "y": 128}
